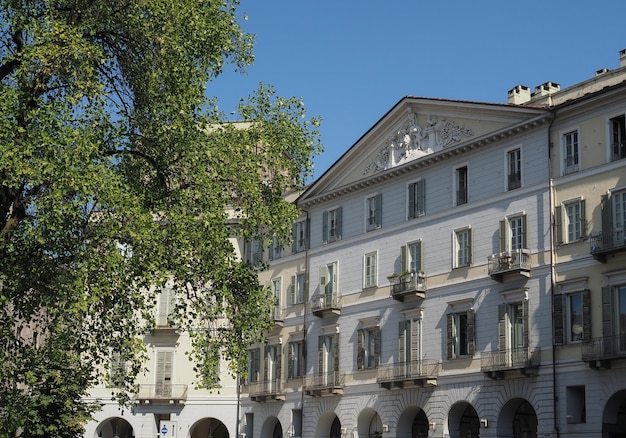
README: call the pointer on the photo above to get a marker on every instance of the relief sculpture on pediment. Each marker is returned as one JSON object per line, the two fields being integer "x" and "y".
{"x": 413, "y": 141}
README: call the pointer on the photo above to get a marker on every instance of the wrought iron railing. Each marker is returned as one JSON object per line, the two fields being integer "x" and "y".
{"x": 333, "y": 379}
{"x": 415, "y": 369}
{"x": 265, "y": 387}
{"x": 162, "y": 391}
{"x": 514, "y": 358}
{"x": 607, "y": 240}
{"x": 507, "y": 261}
{"x": 618, "y": 151}
{"x": 606, "y": 347}
{"x": 277, "y": 314}
{"x": 325, "y": 302}
{"x": 402, "y": 284}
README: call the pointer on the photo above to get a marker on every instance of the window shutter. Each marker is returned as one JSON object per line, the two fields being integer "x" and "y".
{"x": 324, "y": 280}
{"x": 118, "y": 370}
{"x": 320, "y": 355}
{"x": 583, "y": 220}
{"x": 257, "y": 364}
{"x": 471, "y": 333}
{"x": 266, "y": 363}
{"x": 279, "y": 363}
{"x": 420, "y": 251}
{"x": 338, "y": 223}
{"x": 290, "y": 360}
{"x": 379, "y": 210}
{"x": 163, "y": 373}
{"x": 503, "y": 233}
{"x": 526, "y": 329}
{"x": 502, "y": 327}
{"x": 292, "y": 290}
{"x": 167, "y": 301}
{"x": 412, "y": 211}
{"x": 325, "y": 227}
{"x": 376, "y": 347}
{"x": 608, "y": 322}
{"x": 524, "y": 232}
{"x": 558, "y": 316}
{"x": 607, "y": 215}
{"x": 402, "y": 332}
{"x": 469, "y": 246}
{"x": 558, "y": 225}
{"x": 450, "y": 336}
{"x": 335, "y": 344}
{"x": 307, "y": 233}
{"x": 586, "y": 314}
{"x": 415, "y": 340}
{"x": 294, "y": 238}
{"x": 360, "y": 351}
{"x": 404, "y": 258}
{"x": 421, "y": 197}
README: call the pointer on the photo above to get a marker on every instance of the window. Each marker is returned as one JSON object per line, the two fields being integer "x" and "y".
{"x": 331, "y": 225}
{"x": 572, "y": 313}
{"x": 254, "y": 365}
{"x": 513, "y": 326}
{"x": 164, "y": 372}
{"x": 460, "y": 176}
{"x": 254, "y": 252}
{"x": 167, "y": 304}
{"x": 368, "y": 348}
{"x": 272, "y": 364}
{"x": 570, "y": 221}
{"x": 374, "y": 212}
{"x": 576, "y": 410}
{"x": 613, "y": 208}
{"x": 618, "y": 137}
{"x": 411, "y": 257}
{"x": 297, "y": 289}
{"x": 295, "y": 359}
{"x": 460, "y": 334}
{"x": 370, "y": 276}
{"x": 117, "y": 371}
{"x": 514, "y": 169}
{"x": 614, "y": 318}
{"x": 409, "y": 340}
{"x": 296, "y": 422}
{"x": 463, "y": 247}
{"x": 328, "y": 279}
{"x": 417, "y": 199}
{"x": 277, "y": 291}
{"x": 276, "y": 249}
{"x": 300, "y": 236}
{"x": 570, "y": 152}
{"x": 328, "y": 357}
{"x": 513, "y": 231}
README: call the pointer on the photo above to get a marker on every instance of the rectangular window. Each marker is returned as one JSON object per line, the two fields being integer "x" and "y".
{"x": 463, "y": 247}
{"x": 618, "y": 138}
{"x": 614, "y": 318}
{"x": 328, "y": 357}
{"x": 370, "y": 277}
{"x": 272, "y": 365}
{"x": 295, "y": 359}
{"x": 254, "y": 252}
{"x": 513, "y": 233}
{"x": 461, "y": 185}
{"x": 417, "y": 199}
{"x": 368, "y": 348}
{"x": 514, "y": 169}
{"x": 572, "y": 316}
{"x": 460, "y": 334}
{"x": 328, "y": 279}
{"x": 576, "y": 410}
{"x": 300, "y": 236}
{"x": 164, "y": 372}
{"x": 167, "y": 304}
{"x": 276, "y": 249}
{"x": 513, "y": 327}
{"x": 332, "y": 225}
{"x": 374, "y": 205}
{"x": 254, "y": 365}
{"x": 409, "y": 340}
{"x": 297, "y": 289}
{"x": 570, "y": 152}
{"x": 117, "y": 371}
{"x": 570, "y": 221}
{"x": 411, "y": 257}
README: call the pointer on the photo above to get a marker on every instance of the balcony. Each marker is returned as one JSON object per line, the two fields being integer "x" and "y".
{"x": 618, "y": 151}
{"x": 325, "y": 384}
{"x": 509, "y": 262}
{"x": 495, "y": 363}
{"x": 267, "y": 390}
{"x": 326, "y": 304}
{"x": 408, "y": 285}
{"x": 599, "y": 352}
{"x": 277, "y": 315}
{"x": 408, "y": 374}
{"x": 163, "y": 393}
{"x": 606, "y": 243}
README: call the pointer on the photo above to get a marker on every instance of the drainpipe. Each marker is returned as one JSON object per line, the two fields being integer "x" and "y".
{"x": 307, "y": 275}
{"x": 555, "y": 397}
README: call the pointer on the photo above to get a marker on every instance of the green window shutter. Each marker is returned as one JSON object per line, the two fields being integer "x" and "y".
{"x": 325, "y": 227}
{"x": 376, "y": 347}
{"x": 503, "y": 234}
{"x": 421, "y": 197}
{"x": 360, "y": 350}
{"x": 450, "y": 336}
{"x": 320, "y": 355}
{"x": 526, "y": 329}
{"x": 338, "y": 223}
{"x": 586, "y": 314}
{"x": 502, "y": 327}
{"x": 608, "y": 319}
{"x": 524, "y": 232}
{"x": 607, "y": 214}
{"x": 558, "y": 225}
{"x": 379, "y": 210}
{"x": 290, "y": 360}
{"x": 402, "y": 332}
{"x": 469, "y": 246}
{"x": 583, "y": 219}
{"x": 558, "y": 319}
{"x": 471, "y": 333}
{"x": 404, "y": 258}
{"x": 412, "y": 211}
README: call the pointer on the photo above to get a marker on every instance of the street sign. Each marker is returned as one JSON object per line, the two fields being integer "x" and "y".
{"x": 167, "y": 429}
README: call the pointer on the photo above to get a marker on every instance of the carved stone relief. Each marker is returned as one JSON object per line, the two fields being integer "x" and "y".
{"x": 413, "y": 141}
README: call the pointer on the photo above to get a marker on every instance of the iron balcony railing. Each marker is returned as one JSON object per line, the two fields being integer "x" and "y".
{"x": 509, "y": 359}
{"x": 618, "y": 151}
{"x": 265, "y": 388}
{"x": 606, "y": 347}
{"x": 320, "y": 303}
{"x": 416, "y": 369}
{"x": 408, "y": 283}
{"x": 571, "y": 165}
{"x": 162, "y": 391}
{"x": 509, "y": 261}
{"x": 277, "y": 314}
{"x": 607, "y": 241}
{"x": 330, "y": 380}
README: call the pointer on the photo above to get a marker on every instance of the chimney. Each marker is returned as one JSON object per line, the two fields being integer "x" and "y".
{"x": 601, "y": 71}
{"x": 622, "y": 58}
{"x": 519, "y": 95}
{"x": 546, "y": 89}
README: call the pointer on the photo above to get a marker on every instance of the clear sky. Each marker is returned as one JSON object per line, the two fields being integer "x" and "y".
{"x": 351, "y": 61}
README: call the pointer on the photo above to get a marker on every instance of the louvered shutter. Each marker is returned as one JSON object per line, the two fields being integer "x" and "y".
{"x": 526, "y": 329}
{"x": 338, "y": 223}
{"x": 360, "y": 350}
{"x": 583, "y": 220}
{"x": 335, "y": 344}
{"x": 325, "y": 227}
{"x": 607, "y": 215}
{"x": 558, "y": 317}
{"x": 558, "y": 225}
{"x": 469, "y": 246}
{"x": 164, "y": 365}
{"x": 291, "y": 360}
{"x": 376, "y": 347}
{"x": 503, "y": 234}
{"x": 502, "y": 327}
{"x": 292, "y": 290}
{"x": 266, "y": 363}
{"x": 412, "y": 213}
{"x": 279, "y": 363}
{"x": 402, "y": 335}
{"x": 404, "y": 258}
{"x": 608, "y": 320}
{"x": 524, "y": 232}
{"x": 320, "y": 355}
{"x": 471, "y": 333}
{"x": 586, "y": 314}
{"x": 421, "y": 197}
{"x": 378, "y": 216}
{"x": 294, "y": 238}
{"x": 450, "y": 336}
{"x": 415, "y": 339}
{"x": 324, "y": 280}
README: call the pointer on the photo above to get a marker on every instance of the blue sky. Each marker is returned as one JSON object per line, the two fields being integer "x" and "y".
{"x": 351, "y": 61}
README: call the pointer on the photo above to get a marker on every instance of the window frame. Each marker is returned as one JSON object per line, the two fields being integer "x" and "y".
{"x": 461, "y": 185}
{"x": 455, "y": 347}
{"x": 370, "y": 270}
{"x": 416, "y": 198}
{"x": 373, "y": 212}
{"x": 508, "y": 233}
{"x": 568, "y": 155}
{"x": 513, "y": 167}
{"x": 300, "y": 236}
{"x": 295, "y": 359}
{"x": 462, "y": 247}
{"x": 332, "y": 225}
{"x": 616, "y": 140}
{"x": 296, "y": 294}
{"x": 368, "y": 348}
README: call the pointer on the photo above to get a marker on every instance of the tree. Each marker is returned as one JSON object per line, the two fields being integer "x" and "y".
{"x": 119, "y": 176}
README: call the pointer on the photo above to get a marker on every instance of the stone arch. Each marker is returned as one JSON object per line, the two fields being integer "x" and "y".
{"x": 272, "y": 428}
{"x": 517, "y": 419}
{"x": 463, "y": 421}
{"x": 614, "y": 416}
{"x": 328, "y": 425}
{"x": 369, "y": 424}
{"x": 114, "y": 427}
{"x": 209, "y": 427}
{"x": 412, "y": 423}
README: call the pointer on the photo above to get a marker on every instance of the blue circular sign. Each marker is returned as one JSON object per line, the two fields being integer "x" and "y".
{"x": 164, "y": 430}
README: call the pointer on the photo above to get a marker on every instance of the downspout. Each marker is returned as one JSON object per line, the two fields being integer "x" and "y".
{"x": 555, "y": 397}
{"x": 304, "y": 313}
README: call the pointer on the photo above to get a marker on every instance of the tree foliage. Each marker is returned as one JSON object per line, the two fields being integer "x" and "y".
{"x": 118, "y": 177}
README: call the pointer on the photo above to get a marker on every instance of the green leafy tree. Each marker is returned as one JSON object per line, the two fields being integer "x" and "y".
{"x": 119, "y": 176}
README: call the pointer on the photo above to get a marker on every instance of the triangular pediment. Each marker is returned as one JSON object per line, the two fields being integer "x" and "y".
{"x": 417, "y": 129}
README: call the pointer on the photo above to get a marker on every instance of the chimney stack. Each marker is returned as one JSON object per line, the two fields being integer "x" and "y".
{"x": 519, "y": 95}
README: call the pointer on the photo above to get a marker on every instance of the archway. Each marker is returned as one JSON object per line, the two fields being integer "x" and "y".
{"x": 413, "y": 423}
{"x": 328, "y": 425}
{"x": 209, "y": 427}
{"x": 115, "y": 427}
{"x": 517, "y": 420}
{"x": 272, "y": 428}
{"x": 369, "y": 424}
{"x": 614, "y": 416}
{"x": 463, "y": 421}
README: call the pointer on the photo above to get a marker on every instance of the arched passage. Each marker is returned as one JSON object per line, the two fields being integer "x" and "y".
{"x": 614, "y": 416}
{"x": 272, "y": 428}
{"x": 517, "y": 420}
{"x": 369, "y": 424}
{"x": 114, "y": 427}
{"x": 209, "y": 427}
{"x": 328, "y": 425}
{"x": 413, "y": 423}
{"x": 463, "y": 421}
